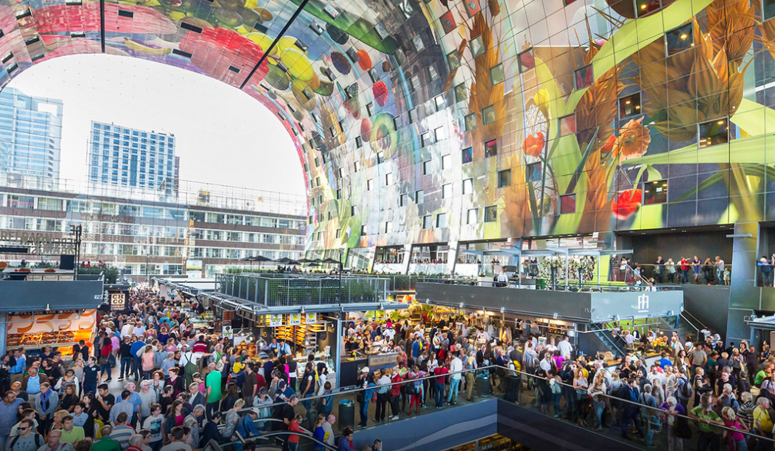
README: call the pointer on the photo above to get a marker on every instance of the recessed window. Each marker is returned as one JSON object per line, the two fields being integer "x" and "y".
{"x": 526, "y": 60}
{"x": 418, "y": 44}
{"x": 568, "y": 2}
{"x": 425, "y": 139}
{"x": 380, "y": 157}
{"x": 419, "y": 196}
{"x": 388, "y": 178}
{"x": 491, "y": 148}
{"x": 504, "y": 178}
{"x": 679, "y": 39}
{"x": 629, "y": 106}
{"x": 403, "y": 200}
{"x": 439, "y": 134}
{"x": 646, "y": 7}
{"x": 496, "y": 74}
{"x": 468, "y": 155}
{"x": 477, "y": 46}
{"x": 655, "y": 192}
{"x": 338, "y": 233}
{"x": 352, "y": 210}
{"x": 488, "y": 115}
{"x": 768, "y": 9}
{"x": 468, "y": 186}
{"x": 440, "y": 102}
{"x": 470, "y": 122}
{"x": 472, "y": 216}
{"x": 568, "y": 125}
{"x": 460, "y": 92}
{"x": 412, "y": 115}
{"x": 356, "y": 166}
{"x": 397, "y": 122}
{"x": 427, "y": 222}
{"x": 568, "y": 204}
{"x": 453, "y": 60}
{"x": 317, "y": 162}
{"x": 533, "y": 172}
{"x": 369, "y": 184}
{"x": 388, "y": 227}
{"x": 358, "y": 142}
{"x": 446, "y": 191}
{"x": 426, "y": 167}
{"x": 714, "y": 132}
{"x": 584, "y": 77}
{"x": 370, "y": 108}
{"x": 441, "y": 220}
{"x": 414, "y": 83}
{"x": 339, "y": 193}
{"x": 446, "y": 162}
{"x": 433, "y": 74}
{"x": 491, "y": 213}
{"x": 363, "y": 230}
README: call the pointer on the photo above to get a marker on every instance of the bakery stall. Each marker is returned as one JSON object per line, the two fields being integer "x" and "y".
{"x": 61, "y": 331}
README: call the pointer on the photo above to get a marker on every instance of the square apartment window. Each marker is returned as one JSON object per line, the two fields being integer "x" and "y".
{"x": 768, "y": 9}
{"x": 453, "y": 60}
{"x": 533, "y": 172}
{"x": 397, "y": 122}
{"x": 526, "y": 61}
{"x": 380, "y": 157}
{"x": 369, "y": 184}
{"x": 504, "y": 178}
{"x": 338, "y": 233}
{"x": 412, "y": 115}
{"x": 427, "y": 222}
{"x": 646, "y": 7}
{"x": 356, "y": 166}
{"x": 629, "y": 106}
{"x": 425, "y": 139}
{"x": 446, "y": 191}
{"x": 468, "y": 155}
{"x": 568, "y": 125}
{"x": 488, "y": 115}
{"x": 426, "y": 167}
{"x": 414, "y": 83}
{"x": 472, "y": 216}
{"x": 468, "y": 186}
{"x": 460, "y": 92}
{"x": 491, "y": 213}
{"x": 403, "y": 200}
{"x": 433, "y": 74}
{"x": 568, "y": 204}
{"x": 713, "y": 132}
{"x": 470, "y": 122}
{"x": 491, "y": 148}
{"x": 418, "y": 197}
{"x": 418, "y": 44}
{"x": 339, "y": 193}
{"x": 655, "y": 192}
{"x": 388, "y": 179}
{"x": 497, "y": 75}
{"x": 441, "y": 220}
{"x": 317, "y": 162}
{"x": 477, "y": 46}
{"x": 438, "y": 134}
{"x": 363, "y": 230}
{"x": 388, "y": 227}
{"x": 358, "y": 142}
{"x": 679, "y": 39}
{"x": 446, "y": 162}
{"x": 440, "y": 102}
{"x": 584, "y": 77}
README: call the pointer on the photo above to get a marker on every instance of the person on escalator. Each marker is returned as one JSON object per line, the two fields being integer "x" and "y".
{"x": 293, "y": 439}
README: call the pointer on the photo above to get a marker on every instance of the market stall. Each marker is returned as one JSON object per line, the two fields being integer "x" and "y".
{"x": 59, "y": 330}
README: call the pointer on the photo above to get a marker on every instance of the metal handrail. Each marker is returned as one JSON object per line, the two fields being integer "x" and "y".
{"x": 266, "y": 436}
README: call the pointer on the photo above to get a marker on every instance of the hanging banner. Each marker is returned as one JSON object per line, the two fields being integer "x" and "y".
{"x": 295, "y": 319}
{"x": 311, "y": 318}
{"x": 275, "y": 320}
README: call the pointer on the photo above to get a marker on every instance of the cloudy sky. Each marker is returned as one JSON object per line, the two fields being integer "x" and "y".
{"x": 223, "y": 135}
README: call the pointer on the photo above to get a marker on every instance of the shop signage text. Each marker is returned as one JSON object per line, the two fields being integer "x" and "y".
{"x": 40, "y": 243}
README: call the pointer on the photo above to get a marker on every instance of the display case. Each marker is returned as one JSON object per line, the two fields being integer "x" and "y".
{"x": 59, "y": 330}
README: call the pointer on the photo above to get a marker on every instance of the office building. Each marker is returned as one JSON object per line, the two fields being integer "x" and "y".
{"x": 30, "y": 134}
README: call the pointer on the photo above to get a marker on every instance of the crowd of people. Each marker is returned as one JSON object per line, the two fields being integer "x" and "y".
{"x": 711, "y": 271}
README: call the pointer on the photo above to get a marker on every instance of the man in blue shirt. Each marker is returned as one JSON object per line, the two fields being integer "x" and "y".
{"x": 416, "y": 349}
{"x": 664, "y": 361}
{"x": 17, "y": 371}
{"x": 123, "y": 406}
{"x": 8, "y": 410}
{"x": 136, "y": 401}
{"x": 246, "y": 427}
{"x": 134, "y": 349}
{"x": 283, "y": 348}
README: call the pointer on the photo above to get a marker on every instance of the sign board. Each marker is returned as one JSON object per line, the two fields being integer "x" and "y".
{"x": 312, "y": 318}
{"x": 275, "y": 320}
{"x": 52, "y": 322}
{"x": 295, "y": 319}
{"x": 378, "y": 361}
{"x": 228, "y": 332}
{"x": 118, "y": 302}
{"x": 40, "y": 243}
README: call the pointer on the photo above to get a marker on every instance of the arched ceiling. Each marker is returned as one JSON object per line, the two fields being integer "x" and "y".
{"x": 438, "y": 121}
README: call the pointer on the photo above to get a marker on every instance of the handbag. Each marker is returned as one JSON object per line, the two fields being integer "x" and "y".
{"x": 374, "y": 397}
{"x": 755, "y": 391}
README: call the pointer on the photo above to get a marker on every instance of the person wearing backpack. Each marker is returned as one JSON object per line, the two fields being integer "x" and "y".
{"x": 683, "y": 390}
{"x": 27, "y": 440}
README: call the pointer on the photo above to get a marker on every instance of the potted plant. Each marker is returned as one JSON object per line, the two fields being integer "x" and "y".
{"x": 50, "y": 270}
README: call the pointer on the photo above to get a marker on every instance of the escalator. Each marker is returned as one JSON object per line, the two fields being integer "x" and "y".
{"x": 613, "y": 343}
{"x": 270, "y": 441}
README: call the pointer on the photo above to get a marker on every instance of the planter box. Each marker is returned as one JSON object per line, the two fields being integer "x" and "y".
{"x": 485, "y": 282}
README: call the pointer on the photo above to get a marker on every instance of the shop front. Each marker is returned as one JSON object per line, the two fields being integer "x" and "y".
{"x": 59, "y": 331}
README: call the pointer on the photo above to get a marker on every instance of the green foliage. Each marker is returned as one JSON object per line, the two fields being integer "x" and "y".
{"x": 111, "y": 273}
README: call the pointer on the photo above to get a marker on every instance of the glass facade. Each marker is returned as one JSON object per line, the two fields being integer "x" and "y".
{"x": 30, "y": 134}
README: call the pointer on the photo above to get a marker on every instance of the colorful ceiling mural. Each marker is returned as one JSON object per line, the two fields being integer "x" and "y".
{"x": 441, "y": 121}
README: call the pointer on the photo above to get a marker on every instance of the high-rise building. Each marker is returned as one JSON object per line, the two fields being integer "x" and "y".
{"x": 30, "y": 134}
{"x": 132, "y": 158}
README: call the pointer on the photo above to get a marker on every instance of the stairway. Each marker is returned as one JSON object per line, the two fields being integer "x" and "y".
{"x": 615, "y": 344}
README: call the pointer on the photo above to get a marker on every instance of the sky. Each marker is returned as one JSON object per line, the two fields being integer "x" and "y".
{"x": 223, "y": 135}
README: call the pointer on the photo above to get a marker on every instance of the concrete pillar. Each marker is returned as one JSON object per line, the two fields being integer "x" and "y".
{"x": 3, "y": 327}
{"x": 454, "y": 249}
{"x": 407, "y": 257}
